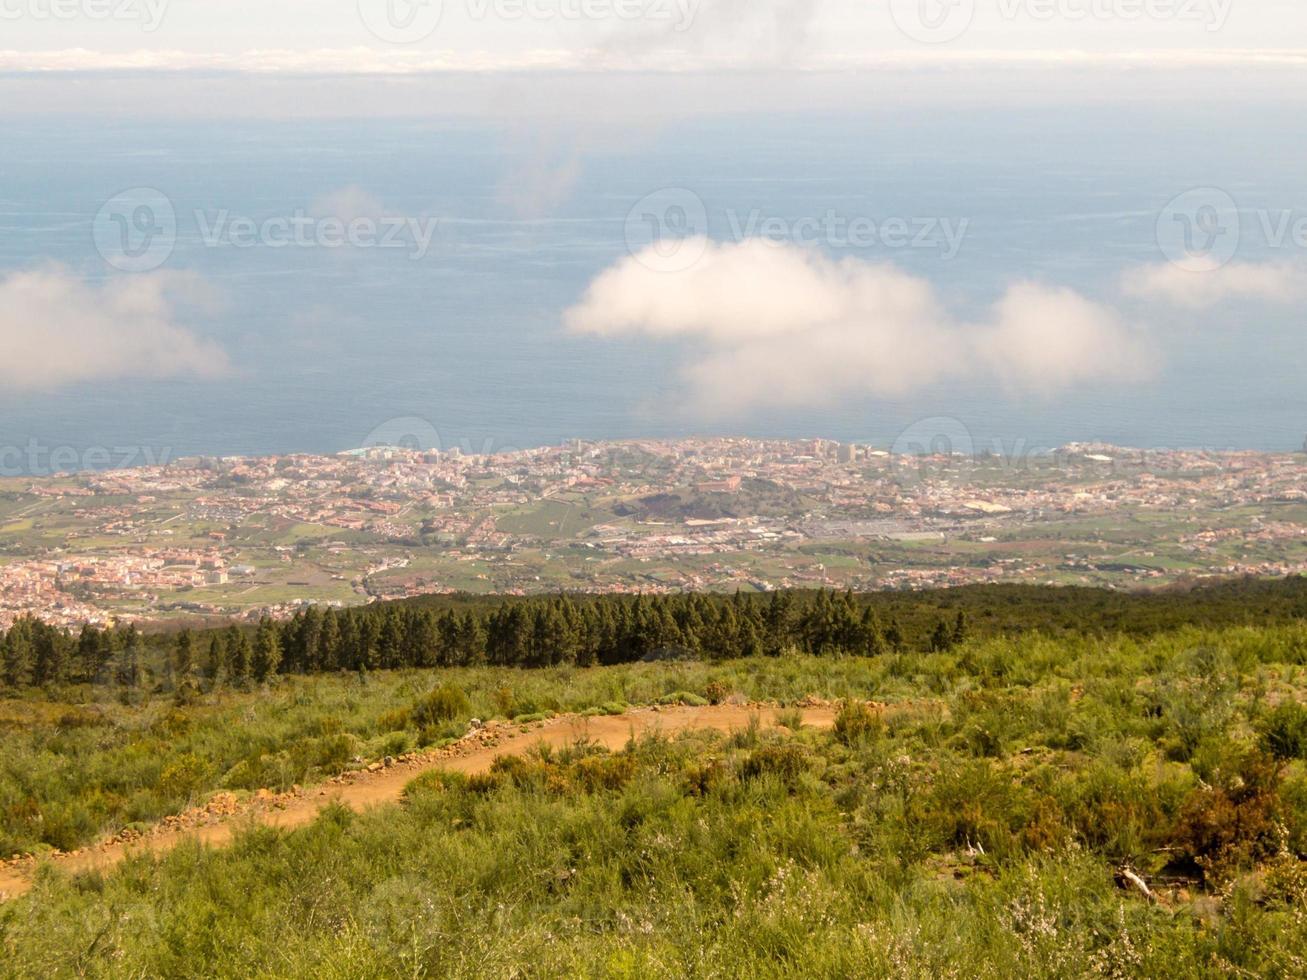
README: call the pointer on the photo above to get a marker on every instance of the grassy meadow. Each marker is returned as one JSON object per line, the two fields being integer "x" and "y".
{"x": 979, "y": 819}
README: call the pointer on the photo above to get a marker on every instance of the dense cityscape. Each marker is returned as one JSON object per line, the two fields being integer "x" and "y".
{"x": 253, "y": 536}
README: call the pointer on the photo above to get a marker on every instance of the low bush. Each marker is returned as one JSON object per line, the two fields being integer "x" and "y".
{"x": 857, "y": 722}
{"x": 445, "y": 703}
{"x": 1283, "y": 731}
{"x": 687, "y": 698}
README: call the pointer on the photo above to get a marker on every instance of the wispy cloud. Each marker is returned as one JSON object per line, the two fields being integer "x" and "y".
{"x": 57, "y": 329}
{"x": 766, "y": 324}
{"x": 1199, "y": 288}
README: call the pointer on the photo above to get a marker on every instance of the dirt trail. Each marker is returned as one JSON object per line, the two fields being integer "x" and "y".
{"x": 387, "y": 786}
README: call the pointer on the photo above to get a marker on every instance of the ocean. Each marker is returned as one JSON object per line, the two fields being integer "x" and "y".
{"x": 461, "y": 343}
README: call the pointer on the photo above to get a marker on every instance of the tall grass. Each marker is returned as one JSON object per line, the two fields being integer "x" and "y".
{"x": 75, "y": 769}
{"x": 773, "y": 855}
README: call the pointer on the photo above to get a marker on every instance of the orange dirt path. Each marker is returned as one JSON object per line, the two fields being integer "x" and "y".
{"x": 387, "y": 786}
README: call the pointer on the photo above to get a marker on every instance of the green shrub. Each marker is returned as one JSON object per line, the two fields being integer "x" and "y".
{"x": 716, "y": 692}
{"x": 687, "y": 698}
{"x": 607, "y": 708}
{"x": 394, "y": 720}
{"x": 857, "y": 722}
{"x": 185, "y": 776}
{"x": 445, "y": 703}
{"x": 393, "y": 743}
{"x": 440, "y": 735}
{"x": 790, "y": 718}
{"x": 1283, "y": 731}
{"x": 785, "y": 762}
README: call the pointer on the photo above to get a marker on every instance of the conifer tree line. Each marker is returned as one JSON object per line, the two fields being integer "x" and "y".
{"x": 547, "y": 631}
{"x": 541, "y": 632}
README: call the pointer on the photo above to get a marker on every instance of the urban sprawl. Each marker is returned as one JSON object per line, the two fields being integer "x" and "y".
{"x": 214, "y": 537}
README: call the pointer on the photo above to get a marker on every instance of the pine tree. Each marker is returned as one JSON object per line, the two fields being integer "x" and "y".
{"x": 328, "y": 653}
{"x": 239, "y": 656}
{"x": 91, "y": 656}
{"x": 776, "y": 622}
{"x": 183, "y": 658}
{"x": 51, "y": 654}
{"x": 183, "y": 668}
{"x": 941, "y": 639}
{"x": 131, "y": 660}
{"x": 19, "y": 656}
{"x": 390, "y": 642}
{"x": 449, "y": 651}
{"x": 216, "y": 670}
{"x": 872, "y": 639}
{"x": 267, "y": 651}
{"x": 894, "y": 636}
{"x": 472, "y": 638}
{"x": 959, "y": 635}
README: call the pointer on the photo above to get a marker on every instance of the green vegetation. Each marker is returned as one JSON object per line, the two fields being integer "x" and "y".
{"x": 981, "y": 822}
{"x": 1124, "y": 797}
{"x": 465, "y": 630}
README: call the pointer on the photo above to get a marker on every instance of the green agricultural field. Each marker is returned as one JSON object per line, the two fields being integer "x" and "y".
{"x": 553, "y": 519}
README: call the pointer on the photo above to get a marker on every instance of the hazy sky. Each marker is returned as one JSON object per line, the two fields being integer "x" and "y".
{"x": 400, "y": 34}
{"x": 660, "y": 57}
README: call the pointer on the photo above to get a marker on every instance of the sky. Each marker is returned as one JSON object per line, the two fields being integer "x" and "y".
{"x": 660, "y": 58}
{"x": 673, "y": 33}
{"x": 408, "y": 36}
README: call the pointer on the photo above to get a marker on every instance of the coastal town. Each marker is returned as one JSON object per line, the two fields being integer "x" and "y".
{"x": 215, "y": 537}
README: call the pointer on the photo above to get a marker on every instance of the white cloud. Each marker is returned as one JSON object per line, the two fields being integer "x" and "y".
{"x": 1200, "y": 289}
{"x": 57, "y": 329}
{"x": 777, "y": 325}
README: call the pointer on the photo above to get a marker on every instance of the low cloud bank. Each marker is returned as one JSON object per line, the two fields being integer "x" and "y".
{"x": 776, "y": 324}
{"x": 1204, "y": 288}
{"x": 57, "y": 329}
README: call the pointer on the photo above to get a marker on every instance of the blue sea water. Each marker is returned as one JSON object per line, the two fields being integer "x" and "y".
{"x": 329, "y": 344}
